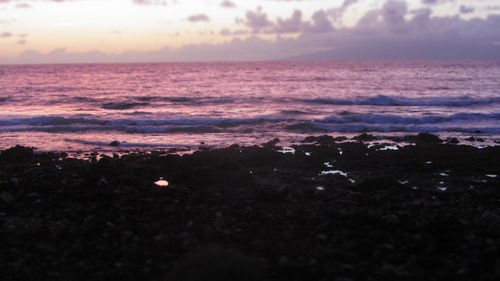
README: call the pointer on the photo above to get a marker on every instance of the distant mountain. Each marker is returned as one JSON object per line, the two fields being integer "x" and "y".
{"x": 407, "y": 51}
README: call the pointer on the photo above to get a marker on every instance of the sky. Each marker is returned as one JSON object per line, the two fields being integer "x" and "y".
{"x": 75, "y": 31}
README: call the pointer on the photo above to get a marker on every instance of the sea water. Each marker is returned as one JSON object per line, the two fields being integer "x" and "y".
{"x": 159, "y": 106}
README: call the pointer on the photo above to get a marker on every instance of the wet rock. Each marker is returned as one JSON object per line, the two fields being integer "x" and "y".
{"x": 271, "y": 143}
{"x": 323, "y": 140}
{"x": 365, "y": 137}
{"x": 452, "y": 140}
{"x": 114, "y": 143}
{"x": 425, "y": 138}
{"x": 473, "y": 139}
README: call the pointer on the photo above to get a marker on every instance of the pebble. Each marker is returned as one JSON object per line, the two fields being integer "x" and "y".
{"x": 218, "y": 215}
{"x": 391, "y": 219}
{"x": 6, "y": 197}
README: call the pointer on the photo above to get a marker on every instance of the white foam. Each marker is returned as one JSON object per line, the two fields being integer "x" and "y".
{"x": 333, "y": 172}
{"x": 491, "y": 176}
{"x": 286, "y": 150}
{"x": 328, "y": 165}
{"x": 442, "y": 188}
{"x": 390, "y": 147}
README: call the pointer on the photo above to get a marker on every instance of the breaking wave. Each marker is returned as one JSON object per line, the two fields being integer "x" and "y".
{"x": 383, "y": 100}
{"x": 394, "y": 119}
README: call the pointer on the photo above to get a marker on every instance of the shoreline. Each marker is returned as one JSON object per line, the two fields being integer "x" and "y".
{"x": 324, "y": 209}
{"x": 123, "y": 147}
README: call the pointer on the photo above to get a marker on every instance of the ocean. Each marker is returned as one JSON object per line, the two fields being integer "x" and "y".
{"x": 85, "y": 107}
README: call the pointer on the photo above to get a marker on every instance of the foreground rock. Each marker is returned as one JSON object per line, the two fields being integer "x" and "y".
{"x": 327, "y": 211}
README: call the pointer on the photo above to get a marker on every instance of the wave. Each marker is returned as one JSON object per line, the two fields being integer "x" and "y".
{"x": 185, "y": 100}
{"x": 50, "y": 120}
{"x": 130, "y": 125}
{"x": 383, "y": 100}
{"x": 347, "y": 117}
{"x": 123, "y": 105}
{"x": 343, "y": 122}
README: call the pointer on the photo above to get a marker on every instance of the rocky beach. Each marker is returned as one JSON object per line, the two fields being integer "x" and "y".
{"x": 406, "y": 208}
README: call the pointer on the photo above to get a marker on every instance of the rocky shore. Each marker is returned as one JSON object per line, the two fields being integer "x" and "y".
{"x": 326, "y": 209}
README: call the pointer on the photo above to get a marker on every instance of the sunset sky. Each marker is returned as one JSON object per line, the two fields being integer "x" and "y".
{"x": 55, "y": 31}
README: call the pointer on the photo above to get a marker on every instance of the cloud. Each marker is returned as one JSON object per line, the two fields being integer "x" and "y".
{"x": 227, "y": 4}
{"x": 466, "y": 9}
{"x": 23, "y": 6}
{"x": 149, "y": 2}
{"x": 435, "y": 2}
{"x": 337, "y": 13}
{"x": 320, "y": 23}
{"x": 198, "y": 18}
{"x": 257, "y": 21}
{"x": 21, "y": 42}
{"x": 389, "y": 32}
{"x": 394, "y": 12}
{"x": 5, "y": 34}
{"x": 290, "y": 25}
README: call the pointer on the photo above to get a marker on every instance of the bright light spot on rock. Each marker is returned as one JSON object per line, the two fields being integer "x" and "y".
{"x": 286, "y": 150}
{"x": 428, "y": 162}
{"x": 340, "y": 151}
{"x": 491, "y": 176}
{"x": 308, "y": 153}
{"x": 414, "y": 187}
{"x": 328, "y": 165}
{"x": 403, "y": 182}
{"x": 320, "y": 188}
{"x": 352, "y": 181}
{"x": 442, "y": 188}
{"x": 161, "y": 182}
{"x": 444, "y": 174}
{"x": 333, "y": 172}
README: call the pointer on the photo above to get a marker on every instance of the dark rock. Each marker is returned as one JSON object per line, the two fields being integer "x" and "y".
{"x": 423, "y": 139}
{"x": 490, "y": 220}
{"x": 214, "y": 262}
{"x": 452, "y": 140}
{"x": 391, "y": 219}
{"x": 365, "y": 137}
{"x": 6, "y": 197}
{"x": 271, "y": 143}
{"x": 114, "y": 143}
{"x": 323, "y": 140}
{"x": 19, "y": 154}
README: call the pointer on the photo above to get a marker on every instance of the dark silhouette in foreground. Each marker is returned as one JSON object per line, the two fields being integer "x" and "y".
{"x": 323, "y": 210}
